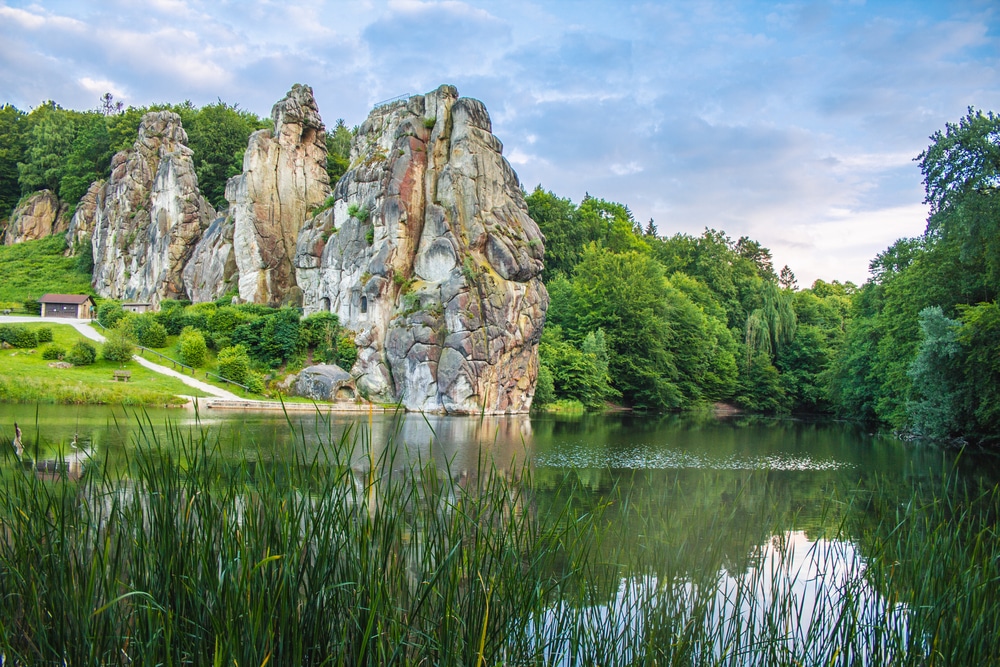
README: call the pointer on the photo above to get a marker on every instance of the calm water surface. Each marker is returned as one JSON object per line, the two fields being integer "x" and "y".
{"x": 739, "y": 496}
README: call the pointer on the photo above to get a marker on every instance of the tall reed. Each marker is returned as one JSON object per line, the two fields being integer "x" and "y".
{"x": 189, "y": 555}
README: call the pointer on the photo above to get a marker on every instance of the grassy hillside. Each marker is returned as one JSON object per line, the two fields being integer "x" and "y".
{"x": 30, "y": 269}
{"x": 27, "y": 378}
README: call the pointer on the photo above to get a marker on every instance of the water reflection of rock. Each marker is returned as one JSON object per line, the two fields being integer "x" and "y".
{"x": 461, "y": 446}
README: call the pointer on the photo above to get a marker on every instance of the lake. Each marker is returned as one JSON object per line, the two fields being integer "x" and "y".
{"x": 709, "y": 501}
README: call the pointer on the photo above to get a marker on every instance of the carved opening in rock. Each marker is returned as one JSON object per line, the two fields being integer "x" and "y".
{"x": 308, "y": 135}
{"x": 324, "y": 304}
{"x": 364, "y": 304}
{"x": 345, "y": 394}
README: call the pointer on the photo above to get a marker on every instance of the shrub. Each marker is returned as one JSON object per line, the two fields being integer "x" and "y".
{"x": 118, "y": 348}
{"x": 109, "y": 312}
{"x": 17, "y": 335}
{"x": 82, "y": 354}
{"x": 319, "y": 330}
{"x": 234, "y": 363}
{"x": 194, "y": 350}
{"x": 359, "y": 213}
{"x": 53, "y": 352}
{"x": 32, "y": 306}
{"x": 144, "y": 329}
{"x": 224, "y": 320}
{"x": 545, "y": 390}
{"x": 270, "y": 340}
{"x": 44, "y": 334}
{"x": 220, "y": 342}
{"x": 154, "y": 335}
{"x": 172, "y": 320}
{"x": 347, "y": 352}
{"x": 255, "y": 383}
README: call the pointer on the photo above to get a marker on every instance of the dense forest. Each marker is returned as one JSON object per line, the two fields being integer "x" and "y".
{"x": 656, "y": 321}
{"x": 664, "y": 322}
{"x": 65, "y": 151}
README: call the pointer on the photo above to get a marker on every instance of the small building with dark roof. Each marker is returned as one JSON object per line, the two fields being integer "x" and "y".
{"x": 137, "y": 307}
{"x": 79, "y": 306}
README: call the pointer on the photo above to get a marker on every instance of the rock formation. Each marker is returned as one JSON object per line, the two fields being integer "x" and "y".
{"x": 211, "y": 271}
{"x": 284, "y": 177}
{"x": 81, "y": 227}
{"x": 40, "y": 215}
{"x": 325, "y": 382}
{"x": 151, "y": 215}
{"x": 429, "y": 256}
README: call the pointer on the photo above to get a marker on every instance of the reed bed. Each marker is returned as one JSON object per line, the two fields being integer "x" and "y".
{"x": 188, "y": 555}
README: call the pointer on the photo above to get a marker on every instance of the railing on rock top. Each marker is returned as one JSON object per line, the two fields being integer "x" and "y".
{"x": 397, "y": 98}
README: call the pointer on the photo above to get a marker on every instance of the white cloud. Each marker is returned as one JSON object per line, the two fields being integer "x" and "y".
{"x": 35, "y": 21}
{"x": 101, "y": 86}
{"x": 626, "y": 169}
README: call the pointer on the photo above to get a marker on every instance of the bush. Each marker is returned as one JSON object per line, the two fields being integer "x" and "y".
{"x": 194, "y": 351}
{"x": 82, "y": 354}
{"x": 347, "y": 353}
{"x": 32, "y": 306}
{"x": 234, "y": 363}
{"x": 545, "y": 390}
{"x": 144, "y": 329}
{"x": 171, "y": 316}
{"x": 118, "y": 348}
{"x": 224, "y": 320}
{"x": 255, "y": 383}
{"x": 109, "y": 312}
{"x": 270, "y": 340}
{"x": 17, "y": 335}
{"x": 44, "y": 334}
{"x": 53, "y": 352}
{"x": 319, "y": 330}
{"x": 221, "y": 342}
{"x": 155, "y": 335}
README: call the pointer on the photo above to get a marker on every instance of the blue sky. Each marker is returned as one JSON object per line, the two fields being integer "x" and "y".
{"x": 793, "y": 123}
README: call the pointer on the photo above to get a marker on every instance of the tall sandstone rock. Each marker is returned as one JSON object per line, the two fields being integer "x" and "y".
{"x": 150, "y": 215}
{"x": 429, "y": 255}
{"x": 284, "y": 178}
{"x": 38, "y": 216}
{"x": 81, "y": 227}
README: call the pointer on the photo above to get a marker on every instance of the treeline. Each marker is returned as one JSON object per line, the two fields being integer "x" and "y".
{"x": 57, "y": 149}
{"x": 668, "y": 322}
{"x": 658, "y": 322}
{"x": 923, "y": 343}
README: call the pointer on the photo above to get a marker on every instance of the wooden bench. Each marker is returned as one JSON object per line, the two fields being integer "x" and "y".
{"x": 123, "y": 376}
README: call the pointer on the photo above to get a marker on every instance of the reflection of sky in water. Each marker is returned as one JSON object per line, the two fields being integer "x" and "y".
{"x": 807, "y": 597}
{"x": 580, "y": 457}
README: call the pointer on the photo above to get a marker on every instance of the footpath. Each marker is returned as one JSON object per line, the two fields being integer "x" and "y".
{"x": 221, "y": 399}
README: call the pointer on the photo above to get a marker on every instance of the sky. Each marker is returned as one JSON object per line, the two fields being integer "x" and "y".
{"x": 793, "y": 123}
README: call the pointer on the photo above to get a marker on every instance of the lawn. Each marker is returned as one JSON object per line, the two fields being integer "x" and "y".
{"x": 27, "y": 378}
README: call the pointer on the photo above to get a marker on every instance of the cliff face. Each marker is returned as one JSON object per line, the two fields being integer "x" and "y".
{"x": 150, "y": 215}
{"x": 40, "y": 215}
{"x": 284, "y": 177}
{"x": 81, "y": 227}
{"x": 428, "y": 254}
{"x": 211, "y": 271}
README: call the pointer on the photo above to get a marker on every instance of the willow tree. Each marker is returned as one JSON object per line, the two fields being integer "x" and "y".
{"x": 772, "y": 325}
